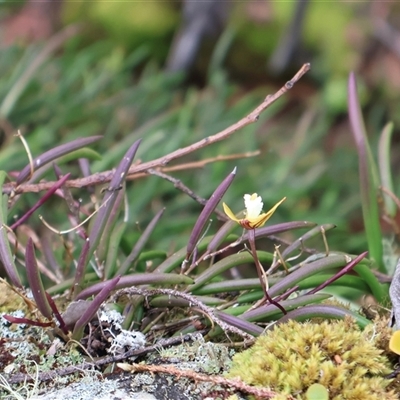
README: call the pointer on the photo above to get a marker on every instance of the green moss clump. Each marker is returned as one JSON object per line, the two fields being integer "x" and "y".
{"x": 336, "y": 354}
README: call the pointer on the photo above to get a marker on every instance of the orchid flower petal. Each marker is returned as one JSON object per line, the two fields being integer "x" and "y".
{"x": 266, "y": 216}
{"x": 229, "y": 213}
{"x": 253, "y": 218}
{"x": 253, "y": 205}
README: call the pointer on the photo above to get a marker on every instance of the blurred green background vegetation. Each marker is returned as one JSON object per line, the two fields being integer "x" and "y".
{"x": 110, "y": 79}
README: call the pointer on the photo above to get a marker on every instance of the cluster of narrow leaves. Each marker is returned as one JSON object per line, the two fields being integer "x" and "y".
{"x": 199, "y": 287}
{"x": 192, "y": 288}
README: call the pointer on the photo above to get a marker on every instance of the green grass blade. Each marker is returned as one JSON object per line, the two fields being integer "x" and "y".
{"x": 368, "y": 177}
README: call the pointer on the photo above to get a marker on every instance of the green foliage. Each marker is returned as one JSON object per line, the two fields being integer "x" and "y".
{"x": 172, "y": 262}
{"x": 128, "y": 23}
{"x": 293, "y": 356}
{"x": 102, "y": 89}
{"x": 95, "y": 81}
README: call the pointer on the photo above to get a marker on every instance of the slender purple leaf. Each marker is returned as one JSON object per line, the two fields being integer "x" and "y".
{"x": 6, "y": 256}
{"x": 207, "y": 211}
{"x": 342, "y": 272}
{"x": 286, "y": 294}
{"x": 307, "y": 270}
{"x": 41, "y": 201}
{"x": 49, "y": 255}
{"x": 269, "y": 311}
{"x": 134, "y": 254}
{"x": 67, "y": 194}
{"x": 80, "y": 269}
{"x": 224, "y": 231}
{"x": 85, "y": 169}
{"x": 254, "y": 283}
{"x": 283, "y": 227}
{"x": 57, "y": 314}
{"x": 94, "y": 306}
{"x": 110, "y": 197}
{"x": 54, "y": 153}
{"x": 27, "y": 321}
{"x": 240, "y": 323}
{"x": 104, "y": 242}
{"x": 152, "y": 278}
{"x": 323, "y": 311}
{"x": 226, "y": 263}
{"x": 35, "y": 282}
{"x": 229, "y": 286}
{"x": 115, "y": 237}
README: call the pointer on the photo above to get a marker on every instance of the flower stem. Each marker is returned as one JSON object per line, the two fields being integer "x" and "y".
{"x": 260, "y": 271}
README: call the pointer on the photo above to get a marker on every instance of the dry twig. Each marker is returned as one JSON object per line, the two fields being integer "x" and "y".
{"x": 237, "y": 384}
{"x": 191, "y": 299}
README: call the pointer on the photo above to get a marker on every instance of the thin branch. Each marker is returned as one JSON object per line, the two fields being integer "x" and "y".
{"x": 191, "y": 299}
{"x": 237, "y": 384}
{"x": 261, "y": 273}
{"x": 103, "y": 177}
{"x": 203, "y": 163}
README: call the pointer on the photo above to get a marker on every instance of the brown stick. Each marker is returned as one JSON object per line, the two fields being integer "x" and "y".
{"x": 106, "y": 176}
{"x": 209, "y": 311}
{"x": 237, "y": 384}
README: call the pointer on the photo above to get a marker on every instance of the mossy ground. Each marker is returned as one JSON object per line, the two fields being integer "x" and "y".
{"x": 349, "y": 362}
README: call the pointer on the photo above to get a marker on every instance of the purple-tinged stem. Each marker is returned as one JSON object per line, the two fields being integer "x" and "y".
{"x": 6, "y": 256}
{"x": 57, "y": 314}
{"x": 260, "y": 270}
{"x": 323, "y": 311}
{"x": 27, "y": 321}
{"x": 309, "y": 269}
{"x": 80, "y": 269}
{"x": 110, "y": 197}
{"x": 342, "y": 272}
{"x": 54, "y": 153}
{"x": 41, "y": 201}
{"x": 69, "y": 199}
{"x": 104, "y": 243}
{"x": 240, "y": 323}
{"x": 35, "y": 282}
{"x": 269, "y": 312}
{"x": 49, "y": 256}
